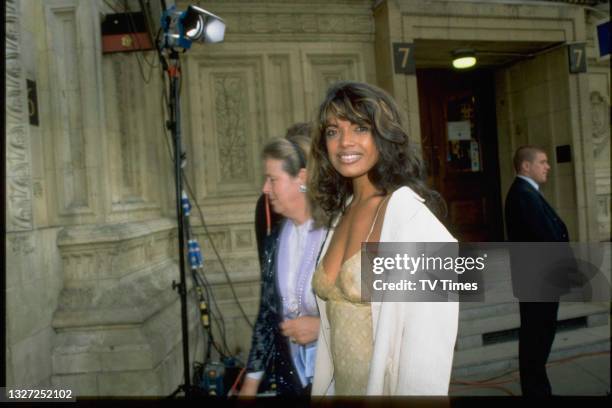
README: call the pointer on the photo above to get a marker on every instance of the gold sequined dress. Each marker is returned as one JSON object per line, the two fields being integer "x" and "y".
{"x": 350, "y": 321}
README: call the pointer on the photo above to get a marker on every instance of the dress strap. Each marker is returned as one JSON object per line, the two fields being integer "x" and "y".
{"x": 376, "y": 217}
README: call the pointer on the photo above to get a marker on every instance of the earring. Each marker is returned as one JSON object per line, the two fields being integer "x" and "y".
{"x": 303, "y": 188}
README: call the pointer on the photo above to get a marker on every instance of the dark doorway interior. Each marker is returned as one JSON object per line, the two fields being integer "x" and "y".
{"x": 459, "y": 140}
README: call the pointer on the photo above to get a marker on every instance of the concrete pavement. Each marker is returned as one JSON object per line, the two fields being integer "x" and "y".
{"x": 586, "y": 374}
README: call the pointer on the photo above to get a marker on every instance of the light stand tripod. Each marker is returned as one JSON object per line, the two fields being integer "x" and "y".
{"x": 173, "y": 71}
{"x": 180, "y": 29}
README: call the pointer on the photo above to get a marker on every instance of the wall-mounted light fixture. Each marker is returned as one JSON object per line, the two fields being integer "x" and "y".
{"x": 464, "y": 58}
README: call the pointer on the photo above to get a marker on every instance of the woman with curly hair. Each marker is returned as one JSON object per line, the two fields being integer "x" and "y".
{"x": 369, "y": 186}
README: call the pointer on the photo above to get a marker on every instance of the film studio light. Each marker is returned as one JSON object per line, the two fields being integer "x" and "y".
{"x": 181, "y": 28}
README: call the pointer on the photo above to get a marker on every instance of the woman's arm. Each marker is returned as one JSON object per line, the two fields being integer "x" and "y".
{"x": 303, "y": 330}
{"x": 262, "y": 342}
{"x": 249, "y": 387}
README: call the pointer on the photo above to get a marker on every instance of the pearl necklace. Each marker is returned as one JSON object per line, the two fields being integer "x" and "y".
{"x": 304, "y": 265}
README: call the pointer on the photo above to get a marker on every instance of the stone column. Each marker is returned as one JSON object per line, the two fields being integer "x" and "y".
{"x": 389, "y": 29}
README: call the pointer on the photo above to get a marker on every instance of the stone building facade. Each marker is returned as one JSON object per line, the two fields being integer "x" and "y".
{"x": 91, "y": 239}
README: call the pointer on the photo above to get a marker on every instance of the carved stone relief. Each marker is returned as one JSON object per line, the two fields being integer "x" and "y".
{"x": 18, "y": 167}
{"x": 243, "y": 239}
{"x": 230, "y": 110}
{"x": 98, "y": 256}
{"x": 221, "y": 239}
{"x": 603, "y": 216}
{"x": 19, "y": 202}
{"x": 21, "y": 245}
{"x": 227, "y": 123}
{"x": 600, "y": 116}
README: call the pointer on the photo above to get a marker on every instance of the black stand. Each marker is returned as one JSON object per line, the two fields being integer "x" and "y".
{"x": 174, "y": 124}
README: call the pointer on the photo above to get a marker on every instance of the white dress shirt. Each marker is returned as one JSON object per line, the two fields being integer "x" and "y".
{"x": 530, "y": 181}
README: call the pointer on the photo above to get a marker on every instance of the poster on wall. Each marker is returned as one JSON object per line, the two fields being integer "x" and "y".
{"x": 463, "y": 150}
{"x": 460, "y": 130}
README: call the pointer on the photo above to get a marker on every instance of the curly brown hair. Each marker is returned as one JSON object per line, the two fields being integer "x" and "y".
{"x": 399, "y": 164}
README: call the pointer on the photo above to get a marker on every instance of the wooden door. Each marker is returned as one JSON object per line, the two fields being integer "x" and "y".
{"x": 459, "y": 140}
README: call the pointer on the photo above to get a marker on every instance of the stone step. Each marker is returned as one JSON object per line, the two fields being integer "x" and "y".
{"x": 504, "y": 356}
{"x": 511, "y": 320}
{"x": 478, "y": 310}
{"x": 472, "y": 332}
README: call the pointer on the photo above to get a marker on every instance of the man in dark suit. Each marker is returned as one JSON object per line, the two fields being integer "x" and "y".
{"x": 529, "y": 218}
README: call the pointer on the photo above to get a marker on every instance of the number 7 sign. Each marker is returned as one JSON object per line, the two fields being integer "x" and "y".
{"x": 577, "y": 58}
{"x": 403, "y": 58}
